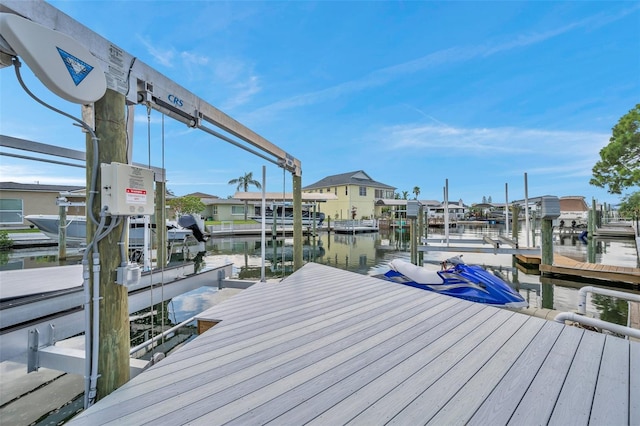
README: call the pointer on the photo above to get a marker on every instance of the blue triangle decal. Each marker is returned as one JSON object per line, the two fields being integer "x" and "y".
{"x": 77, "y": 68}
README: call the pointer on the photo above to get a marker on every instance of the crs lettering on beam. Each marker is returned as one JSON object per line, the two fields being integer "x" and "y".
{"x": 173, "y": 101}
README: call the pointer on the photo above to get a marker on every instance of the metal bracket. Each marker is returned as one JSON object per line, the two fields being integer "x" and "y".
{"x": 33, "y": 362}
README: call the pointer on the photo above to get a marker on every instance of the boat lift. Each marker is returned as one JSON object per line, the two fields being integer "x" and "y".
{"x": 39, "y": 33}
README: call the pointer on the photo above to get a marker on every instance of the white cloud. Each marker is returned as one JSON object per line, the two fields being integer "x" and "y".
{"x": 492, "y": 141}
{"x": 42, "y": 175}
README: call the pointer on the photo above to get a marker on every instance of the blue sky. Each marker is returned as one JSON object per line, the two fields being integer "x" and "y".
{"x": 413, "y": 93}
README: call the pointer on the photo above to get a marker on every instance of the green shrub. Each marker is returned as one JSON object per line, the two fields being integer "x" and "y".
{"x": 5, "y": 241}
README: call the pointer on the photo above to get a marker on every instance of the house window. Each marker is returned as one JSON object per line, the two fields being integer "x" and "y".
{"x": 237, "y": 210}
{"x": 214, "y": 210}
{"x": 346, "y": 190}
{"x": 321, "y": 190}
{"x": 10, "y": 211}
{"x": 335, "y": 190}
{"x": 363, "y": 191}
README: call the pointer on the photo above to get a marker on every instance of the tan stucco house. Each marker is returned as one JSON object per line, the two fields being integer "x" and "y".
{"x": 21, "y": 199}
{"x": 356, "y": 195}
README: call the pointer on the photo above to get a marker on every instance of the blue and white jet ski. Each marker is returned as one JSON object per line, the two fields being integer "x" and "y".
{"x": 457, "y": 279}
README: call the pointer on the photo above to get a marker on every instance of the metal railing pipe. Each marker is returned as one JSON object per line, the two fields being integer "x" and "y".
{"x": 582, "y": 296}
{"x": 593, "y": 322}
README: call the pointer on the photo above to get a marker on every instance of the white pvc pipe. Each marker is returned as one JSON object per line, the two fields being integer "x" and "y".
{"x": 161, "y": 335}
{"x": 263, "y": 226}
{"x": 526, "y": 208}
{"x": 506, "y": 207}
{"x": 582, "y": 296}
{"x": 446, "y": 210}
{"x": 593, "y": 322}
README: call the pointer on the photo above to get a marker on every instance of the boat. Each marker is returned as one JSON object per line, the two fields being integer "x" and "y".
{"x": 76, "y": 228}
{"x": 275, "y": 214}
{"x": 457, "y": 279}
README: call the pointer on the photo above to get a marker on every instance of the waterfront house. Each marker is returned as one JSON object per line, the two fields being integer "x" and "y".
{"x": 356, "y": 195}
{"x": 20, "y": 199}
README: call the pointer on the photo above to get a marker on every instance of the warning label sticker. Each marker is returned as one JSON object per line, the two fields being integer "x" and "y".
{"x": 136, "y": 196}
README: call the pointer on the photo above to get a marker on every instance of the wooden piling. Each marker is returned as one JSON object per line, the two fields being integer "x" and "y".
{"x": 62, "y": 233}
{"x": 297, "y": 222}
{"x": 547, "y": 241}
{"x": 113, "y": 353}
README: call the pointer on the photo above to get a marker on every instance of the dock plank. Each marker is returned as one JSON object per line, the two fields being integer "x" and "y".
{"x": 473, "y": 393}
{"x": 543, "y": 391}
{"x": 434, "y": 397}
{"x": 574, "y": 407}
{"x": 634, "y": 385}
{"x": 326, "y": 346}
{"x": 499, "y": 406}
{"x": 611, "y": 398}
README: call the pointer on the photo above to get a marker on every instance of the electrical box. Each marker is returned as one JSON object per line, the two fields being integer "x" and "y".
{"x": 127, "y": 190}
{"x": 413, "y": 208}
{"x": 550, "y": 208}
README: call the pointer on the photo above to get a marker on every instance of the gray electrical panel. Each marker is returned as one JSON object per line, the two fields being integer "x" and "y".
{"x": 550, "y": 208}
{"x": 413, "y": 206}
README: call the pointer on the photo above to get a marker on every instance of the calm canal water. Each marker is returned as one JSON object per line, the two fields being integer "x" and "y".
{"x": 369, "y": 254}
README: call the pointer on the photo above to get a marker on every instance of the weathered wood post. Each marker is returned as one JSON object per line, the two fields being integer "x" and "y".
{"x": 62, "y": 233}
{"x": 297, "y": 222}
{"x": 113, "y": 352}
{"x": 550, "y": 210}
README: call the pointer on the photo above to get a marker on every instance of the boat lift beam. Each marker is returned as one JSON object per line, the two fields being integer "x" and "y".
{"x": 143, "y": 85}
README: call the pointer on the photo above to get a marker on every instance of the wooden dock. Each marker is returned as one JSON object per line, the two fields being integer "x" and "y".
{"x": 566, "y": 266}
{"x": 327, "y": 346}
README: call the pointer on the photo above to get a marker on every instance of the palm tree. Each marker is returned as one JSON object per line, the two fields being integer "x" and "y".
{"x": 416, "y": 190}
{"x": 244, "y": 182}
{"x": 405, "y": 195}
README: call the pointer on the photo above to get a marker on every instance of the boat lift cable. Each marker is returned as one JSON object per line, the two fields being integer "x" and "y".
{"x": 239, "y": 145}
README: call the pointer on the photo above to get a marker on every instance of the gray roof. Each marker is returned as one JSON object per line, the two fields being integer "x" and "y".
{"x": 359, "y": 178}
{"x": 36, "y": 187}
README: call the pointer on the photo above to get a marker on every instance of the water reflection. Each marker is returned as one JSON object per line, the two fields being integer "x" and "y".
{"x": 369, "y": 254}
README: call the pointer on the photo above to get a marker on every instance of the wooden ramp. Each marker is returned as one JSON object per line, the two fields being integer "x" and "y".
{"x": 331, "y": 347}
{"x": 563, "y": 265}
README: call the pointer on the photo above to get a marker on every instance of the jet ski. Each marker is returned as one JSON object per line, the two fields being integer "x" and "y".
{"x": 457, "y": 279}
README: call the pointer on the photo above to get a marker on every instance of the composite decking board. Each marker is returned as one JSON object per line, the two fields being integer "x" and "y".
{"x": 228, "y": 362}
{"x": 351, "y": 405}
{"x": 498, "y": 407}
{"x": 472, "y": 393}
{"x": 231, "y": 327}
{"x": 238, "y": 397}
{"x": 542, "y": 394}
{"x": 338, "y": 362}
{"x": 228, "y": 330}
{"x": 634, "y": 385}
{"x": 305, "y": 322}
{"x": 397, "y": 399}
{"x": 435, "y": 396}
{"x": 573, "y": 406}
{"x": 611, "y": 399}
{"x": 314, "y": 396}
{"x": 208, "y": 382}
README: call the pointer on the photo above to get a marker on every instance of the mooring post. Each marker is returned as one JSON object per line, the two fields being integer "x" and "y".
{"x": 62, "y": 233}
{"x": 547, "y": 242}
{"x": 413, "y": 241}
